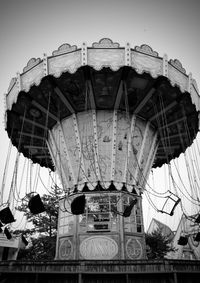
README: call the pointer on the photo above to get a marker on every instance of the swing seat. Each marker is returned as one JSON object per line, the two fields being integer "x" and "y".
{"x": 128, "y": 209}
{"x": 197, "y": 238}
{"x": 7, "y": 233}
{"x": 78, "y": 205}
{"x": 182, "y": 241}
{"x": 6, "y": 216}
{"x": 35, "y": 205}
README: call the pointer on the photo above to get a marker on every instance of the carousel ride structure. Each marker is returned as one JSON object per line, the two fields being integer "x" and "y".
{"x": 102, "y": 117}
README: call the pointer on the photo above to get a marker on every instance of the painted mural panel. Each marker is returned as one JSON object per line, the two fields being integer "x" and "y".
{"x": 80, "y": 166}
{"x": 33, "y": 76}
{"x": 12, "y": 96}
{"x": 98, "y": 247}
{"x": 177, "y": 78}
{"x": 134, "y": 247}
{"x": 65, "y": 249}
{"x": 136, "y": 142}
{"x": 60, "y": 158}
{"x": 106, "y": 57}
{"x": 104, "y": 133}
{"x": 143, "y": 62}
{"x": 121, "y": 146}
{"x": 65, "y": 62}
{"x": 145, "y": 153}
{"x": 85, "y": 125}
{"x": 73, "y": 149}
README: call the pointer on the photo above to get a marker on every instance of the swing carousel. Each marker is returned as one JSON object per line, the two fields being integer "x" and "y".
{"x": 102, "y": 117}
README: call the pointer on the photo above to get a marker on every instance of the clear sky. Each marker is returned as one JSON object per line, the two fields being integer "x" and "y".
{"x": 30, "y": 28}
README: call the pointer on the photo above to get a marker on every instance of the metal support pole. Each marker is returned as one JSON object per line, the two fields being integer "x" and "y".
{"x": 175, "y": 278}
{"x": 36, "y": 278}
{"x": 80, "y": 278}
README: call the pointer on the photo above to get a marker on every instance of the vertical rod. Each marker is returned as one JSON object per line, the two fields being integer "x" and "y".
{"x": 60, "y": 167}
{"x": 66, "y": 153}
{"x": 80, "y": 278}
{"x": 79, "y": 144}
{"x": 96, "y": 152}
{"x": 175, "y": 277}
{"x": 133, "y": 119}
{"x": 76, "y": 236}
{"x": 114, "y": 136}
{"x": 36, "y": 278}
{"x": 121, "y": 223}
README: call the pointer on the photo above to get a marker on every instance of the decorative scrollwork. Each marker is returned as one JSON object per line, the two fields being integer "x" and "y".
{"x": 105, "y": 43}
{"x": 134, "y": 248}
{"x": 31, "y": 63}
{"x": 177, "y": 64}
{"x": 64, "y": 48}
{"x": 65, "y": 249}
{"x": 146, "y": 49}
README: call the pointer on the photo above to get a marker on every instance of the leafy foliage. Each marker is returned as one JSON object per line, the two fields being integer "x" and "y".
{"x": 41, "y": 248}
{"x": 158, "y": 245}
{"x": 42, "y": 234}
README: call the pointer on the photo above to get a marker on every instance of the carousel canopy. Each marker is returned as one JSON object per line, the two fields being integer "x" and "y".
{"x": 53, "y": 88}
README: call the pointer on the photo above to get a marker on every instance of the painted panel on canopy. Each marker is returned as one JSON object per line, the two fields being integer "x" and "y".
{"x": 85, "y": 125}
{"x": 12, "y": 96}
{"x": 104, "y": 132}
{"x": 177, "y": 78}
{"x": 136, "y": 142}
{"x": 123, "y": 127}
{"x": 73, "y": 148}
{"x": 145, "y": 153}
{"x": 61, "y": 160}
{"x": 69, "y": 62}
{"x": 145, "y": 63}
{"x": 32, "y": 77}
{"x": 194, "y": 91}
{"x": 113, "y": 58}
{"x": 56, "y": 159}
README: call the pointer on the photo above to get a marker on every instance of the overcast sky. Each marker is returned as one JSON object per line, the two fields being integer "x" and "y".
{"x": 30, "y": 28}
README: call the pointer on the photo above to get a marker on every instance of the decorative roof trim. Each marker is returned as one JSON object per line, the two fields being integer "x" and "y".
{"x": 64, "y": 48}
{"x": 105, "y": 43}
{"x": 31, "y": 63}
{"x": 146, "y": 49}
{"x": 177, "y": 64}
{"x": 115, "y": 60}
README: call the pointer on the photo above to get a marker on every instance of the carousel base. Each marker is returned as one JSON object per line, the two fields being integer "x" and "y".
{"x": 111, "y": 227}
{"x": 101, "y": 271}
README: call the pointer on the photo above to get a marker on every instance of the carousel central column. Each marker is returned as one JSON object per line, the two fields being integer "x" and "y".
{"x": 105, "y": 156}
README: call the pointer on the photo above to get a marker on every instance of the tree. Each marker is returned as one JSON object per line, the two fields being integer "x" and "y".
{"x": 158, "y": 245}
{"x": 43, "y": 230}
